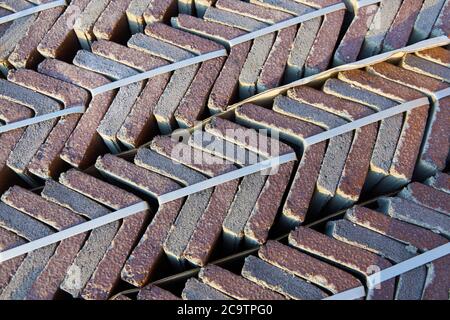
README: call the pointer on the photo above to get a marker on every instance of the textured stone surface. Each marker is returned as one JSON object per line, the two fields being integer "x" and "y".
{"x": 426, "y": 67}
{"x": 242, "y": 206}
{"x": 413, "y": 213}
{"x": 259, "y": 117}
{"x": 184, "y": 226}
{"x": 280, "y": 281}
{"x": 437, "y": 282}
{"x": 225, "y": 149}
{"x": 46, "y": 163}
{"x": 233, "y": 19}
{"x": 84, "y": 24}
{"x": 273, "y": 71}
{"x": 83, "y": 145}
{"x": 442, "y": 26}
{"x": 234, "y": 285}
{"x": 307, "y": 267}
{"x": 158, "y": 48}
{"x": 9, "y": 240}
{"x": 437, "y": 55}
{"x": 267, "y": 206}
{"x": 107, "y": 273}
{"x": 144, "y": 258}
{"x": 410, "y": 284}
{"x": 196, "y": 290}
{"x": 380, "y": 27}
{"x": 343, "y": 254}
{"x": 34, "y": 135}
{"x": 209, "y": 226}
{"x": 47, "y": 282}
{"x": 408, "y": 78}
{"x": 402, "y": 26}
{"x": 152, "y": 292}
{"x": 10, "y": 112}
{"x": 426, "y": 18}
{"x": 193, "y": 105}
{"x": 182, "y": 39}
{"x": 224, "y": 91}
{"x": 412, "y": 132}
{"x": 304, "y": 184}
{"x": 112, "y": 22}
{"x": 322, "y": 49}
{"x": 253, "y": 11}
{"x": 61, "y": 42}
{"x": 172, "y": 96}
{"x": 130, "y": 174}
{"x": 427, "y": 197}
{"x": 153, "y": 161}
{"x": 350, "y": 45}
{"x": 441, "y": 181}
{"x": 210, "y": 30}
{"x": 25, "y": 54}
{"x": 201, "y": 161}
{"x": 251, "y": 139}
{"x": 97, "y": 243}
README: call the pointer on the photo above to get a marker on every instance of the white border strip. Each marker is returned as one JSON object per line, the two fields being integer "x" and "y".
{"x": 158, "y": 71}
{"x": 73, "y": 231}
{"x": 42, "y": 118}
{"x": 394, "y": 271}
{"x": 227, "y": 177}
{"x": 286, "y": 24}
{"x": 30, "y": 11}
{"x": 375, "y": 117}
{"x": 351, "y": 294}
{"x": 183, "y": 192}
{"x": 442, "y": 94}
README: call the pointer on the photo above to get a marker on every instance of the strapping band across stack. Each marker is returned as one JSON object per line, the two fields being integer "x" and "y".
{"x": 364, "y": 249}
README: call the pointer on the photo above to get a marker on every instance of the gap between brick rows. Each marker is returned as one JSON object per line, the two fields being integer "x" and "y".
{"x": 438, "y": 41}
{"x": 212, "y": 182}
{"x": 351, "y": 294}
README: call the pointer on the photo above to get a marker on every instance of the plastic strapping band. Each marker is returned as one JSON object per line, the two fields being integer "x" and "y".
{"x": 285, "y": 24}
{"x": 220, "y": 53}
{"x": 183, "y": 192}
{"x": 442, "y": 93}
{"x": 30, "y": 11}
{"x": 41, "y": 118}
{"x": 158, "y": 71}
{"x": 394, "y": 271}
{"x": 366, "y": 121}
{"x": 227, "y": 177}
{"x": 73, "y": 231}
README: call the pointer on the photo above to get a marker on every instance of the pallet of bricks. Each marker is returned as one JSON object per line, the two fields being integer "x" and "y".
{"x": 217, "y": 127}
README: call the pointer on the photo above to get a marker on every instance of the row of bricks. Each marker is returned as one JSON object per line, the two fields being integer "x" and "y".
{"x": 314, "y": 264}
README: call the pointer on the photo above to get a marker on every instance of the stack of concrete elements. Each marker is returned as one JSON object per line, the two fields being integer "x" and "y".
{"x": 278, "y": 57}
{"x": 48, "y": 33}
{"x": 314, "y": 264}
{"x": 56, "y": 59}
{"x": 132, "y": 115}
{"x": 391, "y": 25}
